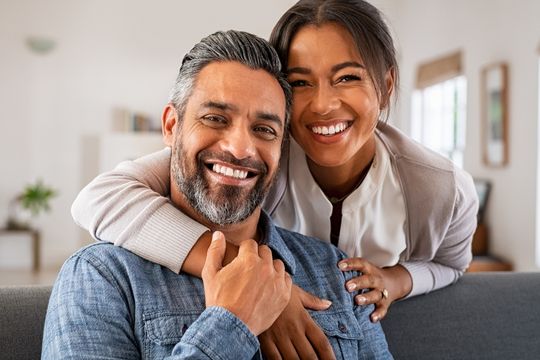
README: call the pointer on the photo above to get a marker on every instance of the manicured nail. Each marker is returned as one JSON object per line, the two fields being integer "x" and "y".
{"x": 215, "y": 235}
{"x": 327, "y": 302}
{"x": 351, "y": 286}
{"x": 360, "y": 300}
{"x": 343, "y": 266}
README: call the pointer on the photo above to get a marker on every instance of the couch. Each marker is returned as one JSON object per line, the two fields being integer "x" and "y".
{"x": 483, "y": 316}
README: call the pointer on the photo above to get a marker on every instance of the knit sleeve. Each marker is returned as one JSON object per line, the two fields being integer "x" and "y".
{"x": 129, "y": 207}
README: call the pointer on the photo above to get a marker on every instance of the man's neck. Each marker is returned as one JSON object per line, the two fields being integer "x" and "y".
{"x": 234, "y": 233}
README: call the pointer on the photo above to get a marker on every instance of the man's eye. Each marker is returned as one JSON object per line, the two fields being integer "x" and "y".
{"x": 347, "y": 78}
{"x": 298, "y": 83}
{"x": 214, "y": 120}
{"x": 265, "y": 132}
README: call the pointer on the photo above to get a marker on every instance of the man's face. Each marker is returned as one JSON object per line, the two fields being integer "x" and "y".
{"x": 227, "y": 147}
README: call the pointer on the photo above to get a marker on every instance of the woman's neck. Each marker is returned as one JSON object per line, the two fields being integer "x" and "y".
{"x": 339, "y": 181}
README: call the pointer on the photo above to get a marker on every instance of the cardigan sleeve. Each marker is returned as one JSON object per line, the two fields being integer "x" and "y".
{"x": 453, "y": 255}
{"x": 129, "y": 207}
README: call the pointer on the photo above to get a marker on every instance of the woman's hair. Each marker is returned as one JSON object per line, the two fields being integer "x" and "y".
{"x": 361, "y": 19}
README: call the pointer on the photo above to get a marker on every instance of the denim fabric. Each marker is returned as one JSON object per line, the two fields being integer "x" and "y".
{"x": 109, "y": 303}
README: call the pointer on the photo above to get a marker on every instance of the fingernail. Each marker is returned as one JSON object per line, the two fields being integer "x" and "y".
{"x": 375, "y": 318}
{"x": 327, "y": 302}
{"x": 360, "y": 300}
{"x": 343, "y": 266}
{"x": 215, "y": 235}
{"x": 351, "y": 286}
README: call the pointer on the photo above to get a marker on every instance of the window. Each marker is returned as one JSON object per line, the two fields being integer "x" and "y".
{"x": 438, "y": 116}
{"x": 438, "y": 119}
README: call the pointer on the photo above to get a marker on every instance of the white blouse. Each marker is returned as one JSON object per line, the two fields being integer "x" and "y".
{"x": 373, "y": 215}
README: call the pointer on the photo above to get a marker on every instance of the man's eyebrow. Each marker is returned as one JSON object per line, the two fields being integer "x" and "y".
{"x": 219, "y": 105}
{"x": 262, "y": 115}
{"x": 335, "y": 68}
{"x": 270, "y": 117}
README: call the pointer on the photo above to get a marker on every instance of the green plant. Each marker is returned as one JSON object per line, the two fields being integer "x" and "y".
{"x": 31, "y": 202}
{"x": 35, "y": 198}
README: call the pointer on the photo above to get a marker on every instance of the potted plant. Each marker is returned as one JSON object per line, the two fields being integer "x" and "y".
{"x": 30, "y": 203}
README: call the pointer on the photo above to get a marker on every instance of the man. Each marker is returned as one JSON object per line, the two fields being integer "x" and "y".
{"x": 225, "y": 125}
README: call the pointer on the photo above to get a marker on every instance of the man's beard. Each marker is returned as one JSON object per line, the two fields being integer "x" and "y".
{"x": 225, "y": 204}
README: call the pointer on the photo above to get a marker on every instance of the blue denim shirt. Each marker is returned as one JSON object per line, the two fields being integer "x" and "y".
{"x": 110, "y": 303}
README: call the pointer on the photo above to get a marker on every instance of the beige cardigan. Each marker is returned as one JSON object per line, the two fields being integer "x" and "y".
{"x": 128, "y": 206}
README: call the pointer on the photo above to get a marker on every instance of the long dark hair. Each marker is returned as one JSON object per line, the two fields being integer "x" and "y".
{"x": 361, "y": 19}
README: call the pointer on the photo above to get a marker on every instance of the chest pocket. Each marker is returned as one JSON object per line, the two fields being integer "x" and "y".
{"x": 164, "y": 329}
{"x": 343, "y": 331}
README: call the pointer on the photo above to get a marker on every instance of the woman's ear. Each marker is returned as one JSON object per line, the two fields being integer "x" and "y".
{"x": 169, "y": 119}
{"x": 389, "y": 79}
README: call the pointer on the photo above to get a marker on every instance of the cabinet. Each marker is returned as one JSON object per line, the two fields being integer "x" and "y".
{"x": 19, "y": 250}
{"x": 482, "y": 260}
{"x": 119, "y": 146}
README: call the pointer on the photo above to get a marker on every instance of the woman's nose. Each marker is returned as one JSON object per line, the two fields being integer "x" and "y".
{"x": 325, "y": 100}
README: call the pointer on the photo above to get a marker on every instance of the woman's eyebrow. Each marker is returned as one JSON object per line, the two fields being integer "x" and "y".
{"x": 305, "y": 71}
{"x": 298, "y": 70}
{"x": 347, "y": 64}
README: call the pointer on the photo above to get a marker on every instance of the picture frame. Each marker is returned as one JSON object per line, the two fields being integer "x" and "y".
{"x": 483, "y": 189}
{"x": 495, "y": 114}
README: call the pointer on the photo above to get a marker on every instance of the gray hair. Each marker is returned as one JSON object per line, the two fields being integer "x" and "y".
{"x": 232, "y": 45}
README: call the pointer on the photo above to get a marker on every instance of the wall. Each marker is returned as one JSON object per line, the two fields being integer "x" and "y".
{"x": 486, "y": 31}
{"x": 126, "y": 53}
{"x": 109, "y": 54}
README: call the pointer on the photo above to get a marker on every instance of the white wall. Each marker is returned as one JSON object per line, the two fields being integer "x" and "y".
{"x": 486, "y": 31}
{"x": 109, "y": 54}
{"x": 126, "y": 53}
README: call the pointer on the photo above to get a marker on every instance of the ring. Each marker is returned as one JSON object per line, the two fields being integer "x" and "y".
{"x": 384, "y": 293}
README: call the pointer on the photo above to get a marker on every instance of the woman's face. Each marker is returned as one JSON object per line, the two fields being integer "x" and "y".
{"x": 335, "y": 105}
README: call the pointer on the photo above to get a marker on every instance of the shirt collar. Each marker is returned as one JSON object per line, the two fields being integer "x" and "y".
{"x": 272, "y": 237}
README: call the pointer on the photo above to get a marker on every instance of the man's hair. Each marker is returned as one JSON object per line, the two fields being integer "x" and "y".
{"x": 245, "y": 48}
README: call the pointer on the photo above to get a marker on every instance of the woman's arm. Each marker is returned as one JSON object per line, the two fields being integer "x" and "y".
{"x": 130, "y": 208}
{"x": 454, "y": 253}
{"x": 410, "y": 278}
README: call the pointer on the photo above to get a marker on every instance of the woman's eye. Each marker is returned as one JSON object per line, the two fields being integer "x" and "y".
{"x": 348, "y": 78}
{"x": 298, "y": 83}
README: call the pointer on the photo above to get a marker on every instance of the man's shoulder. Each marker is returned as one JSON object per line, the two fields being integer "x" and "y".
{"x": 106, "y": 256}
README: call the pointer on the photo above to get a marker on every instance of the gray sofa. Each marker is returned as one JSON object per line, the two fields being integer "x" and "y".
{"x": 483, "y": 316}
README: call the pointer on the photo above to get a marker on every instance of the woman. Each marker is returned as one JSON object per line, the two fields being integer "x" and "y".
{"x": 404, "y": 214}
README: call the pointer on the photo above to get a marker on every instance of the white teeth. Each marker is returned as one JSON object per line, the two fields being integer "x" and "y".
{"x": 227, "y": 171}
{"x": 330, "y": 130}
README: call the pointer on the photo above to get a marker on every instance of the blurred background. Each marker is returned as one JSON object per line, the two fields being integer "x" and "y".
{"x": 83, "y": 83}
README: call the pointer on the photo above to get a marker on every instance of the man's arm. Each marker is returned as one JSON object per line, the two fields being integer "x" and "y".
{"x": 91, "y": 309}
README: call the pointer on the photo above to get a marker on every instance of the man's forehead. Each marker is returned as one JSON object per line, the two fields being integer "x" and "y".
{"x": 238, "y": 87}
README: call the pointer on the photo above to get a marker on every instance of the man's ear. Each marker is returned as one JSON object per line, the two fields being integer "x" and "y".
{"x": 169, "y": 120}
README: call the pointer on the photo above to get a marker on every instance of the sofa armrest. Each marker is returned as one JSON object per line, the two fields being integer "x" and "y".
{"x": 22, "y": 315}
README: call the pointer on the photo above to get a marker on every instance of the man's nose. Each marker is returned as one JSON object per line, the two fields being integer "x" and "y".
{"x": 240, "y": 142}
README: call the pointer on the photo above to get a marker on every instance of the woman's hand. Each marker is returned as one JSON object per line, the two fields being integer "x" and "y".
{"x": 295, "y": 335}
{"x": 385, "y": 284}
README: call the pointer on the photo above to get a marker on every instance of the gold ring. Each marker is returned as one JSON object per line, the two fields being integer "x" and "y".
{"x": 384, "y": 293}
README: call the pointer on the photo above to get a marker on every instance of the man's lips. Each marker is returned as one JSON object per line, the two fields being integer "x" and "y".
{"x": 230, "y": 171}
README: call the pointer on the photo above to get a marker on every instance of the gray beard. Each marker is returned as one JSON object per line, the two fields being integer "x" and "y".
{"x": 225, "y": 206}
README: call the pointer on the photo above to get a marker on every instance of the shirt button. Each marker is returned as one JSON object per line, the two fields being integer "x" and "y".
{"x": 342, "y": 327}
